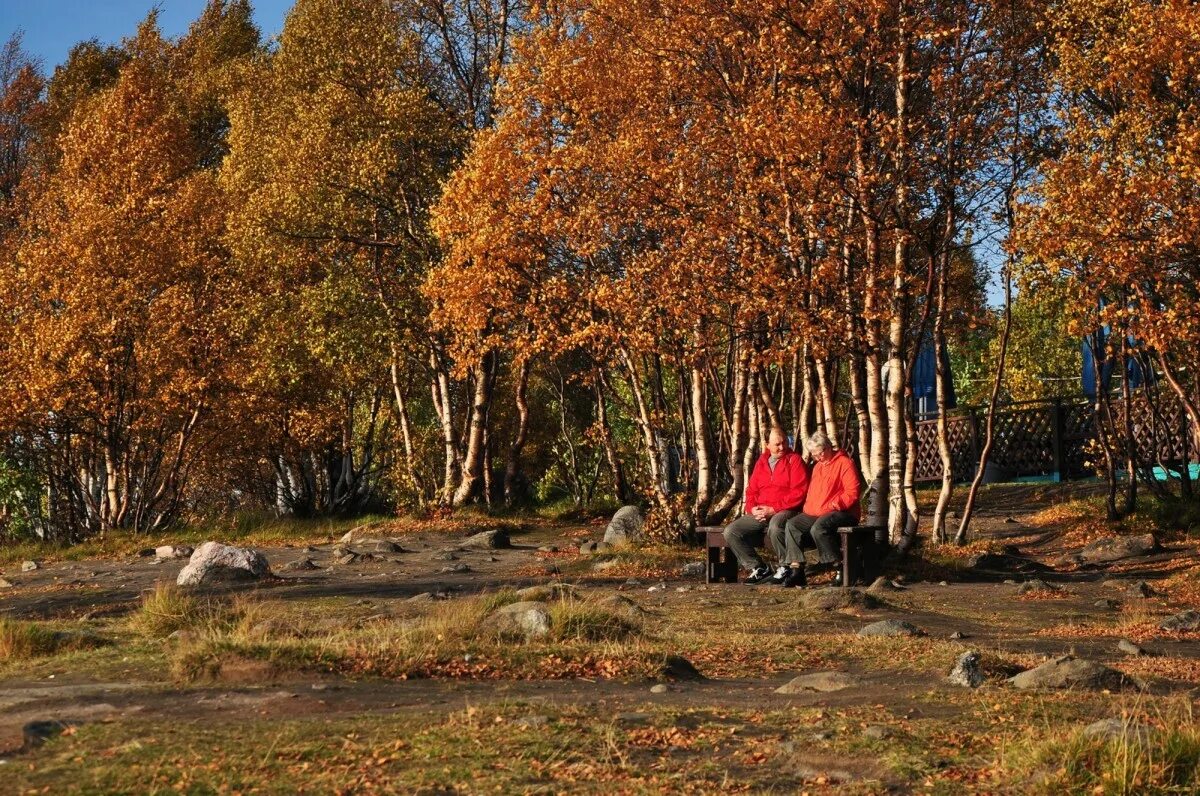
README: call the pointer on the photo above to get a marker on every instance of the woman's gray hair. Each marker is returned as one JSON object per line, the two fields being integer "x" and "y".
{"x": 818, "y": 441}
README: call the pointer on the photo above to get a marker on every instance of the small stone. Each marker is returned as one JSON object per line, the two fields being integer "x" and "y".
{"x": 1186, "y": 621}
{"x": 492, "y": 559}
{"x": 1141, "y": 589}
{"x": 603, "y": 566}
{"x": 633, "y": 719}
{"x": 836, "y": 599}
{"x": 346, "y": 558}
{"x": 444, "y": 555}
{"x": 966, "y": 671}
{"x": 823, "y": 682}
{"x": 1010, "y": 520}
{"x": 548, "y": 549}
{"x": 529, "y": 618}
{"x": 943, "y": 583}
{"x": 1117, "y": 729}
{"x": 1129, "y": 648}
{"x": 423, "y": 597}
{"x": 883, "y": 584}
{"x": 169, "y": 551}
{"x": 957, "y": 635}
{"x": 319, "y": 686}
{"x": 1106, "y": 604}
{"x": 822, "y": 735}
{"x": 623, "y": 605}
{"x": 1035, "y": 585}
{"x": 658, "y": 587}
{"x": 386, "y": 546}
{"x": 145, "y": 552}
{"x": 891, "y": 627}
{"x": 310, "y": 549}
{"x": 459, "y": 569}
{"x": 633, "y": 582}
{"x": 658, "y": 688}
{"x": 4, "y": 584}
{"x": 551, "y": 569}
{"x": 877, "y": 732}
{"x": 532, "y": 722}
{"x": 30, "y": 566}
{"x": 487, "y": 540}
{"x": 693, "y": 569}
{"x": 587, "y": 548}
{"x": 36, "y": 733}
{"x": 302, "y": 565}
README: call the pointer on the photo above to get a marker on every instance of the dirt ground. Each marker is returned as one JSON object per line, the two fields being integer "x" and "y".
{"x": 730, "y": 730}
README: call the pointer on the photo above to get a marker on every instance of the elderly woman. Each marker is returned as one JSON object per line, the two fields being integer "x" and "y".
{"x": 831, "y": 503}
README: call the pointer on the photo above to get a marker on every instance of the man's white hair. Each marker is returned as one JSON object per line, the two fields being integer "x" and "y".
{"x": 818, "y": 441}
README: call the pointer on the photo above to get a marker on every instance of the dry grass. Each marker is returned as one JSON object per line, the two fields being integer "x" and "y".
{"x": 165, "y": 610}
{"x": 24, "y": 640}
{"x": 1163, "y": 758}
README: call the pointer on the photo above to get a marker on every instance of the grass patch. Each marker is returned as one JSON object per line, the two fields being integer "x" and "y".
{"x": 165, "y": 610}
{"x": 1163, "y": 757}
{"x": 21, "y": 641}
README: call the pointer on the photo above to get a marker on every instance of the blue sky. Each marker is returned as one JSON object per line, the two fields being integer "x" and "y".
{"x": 52, "y": 26}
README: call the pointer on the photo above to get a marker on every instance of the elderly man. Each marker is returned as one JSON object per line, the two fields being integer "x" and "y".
{"x": 831, "y": 503}
{"x": 776, "y": 491}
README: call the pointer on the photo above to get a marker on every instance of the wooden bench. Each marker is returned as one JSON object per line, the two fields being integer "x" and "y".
{"x": 722, "y": 563}
{"x": 863, "y": 549}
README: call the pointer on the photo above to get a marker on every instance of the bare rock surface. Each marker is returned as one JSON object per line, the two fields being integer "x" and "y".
{"x": 1069, "y": 672}
{"x": 823, "y": 682}
{"x": 214, "y": 562}
{"x": 1115, "y": 548}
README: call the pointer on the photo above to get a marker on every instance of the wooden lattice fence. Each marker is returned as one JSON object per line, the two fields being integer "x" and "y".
{"x": 1049, "y": 439}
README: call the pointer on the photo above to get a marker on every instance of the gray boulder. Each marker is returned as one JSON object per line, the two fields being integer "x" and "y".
{"x": 1069, "y": 672}
{"x": 30, "y": 566}
{"x": 1186, "y": 621}
{"x": 527, "y": 618}
{"x": 487, "y": 540}
{"x": 891, "y": 627}
{"x": 966, "y": 671}
{"x": 693, "y": 569}
{"x": 1114, "y": 548}
{"x": 626, "y": 526}
{"x": 214, "y": 562}
{"x": 823, "y": 682}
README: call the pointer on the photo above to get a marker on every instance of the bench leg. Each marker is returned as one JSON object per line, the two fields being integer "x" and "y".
{"x": 847, "y": 569}
{"x": 714, "y": 571}
{"x": 731, "y": 566}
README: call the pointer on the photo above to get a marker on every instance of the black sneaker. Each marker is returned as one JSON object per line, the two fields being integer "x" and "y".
{"x": 780, "y": 573}
{"x": 793, "y": 578}
{"x": 759, "y": 575}
{"x": 819, "y": 568}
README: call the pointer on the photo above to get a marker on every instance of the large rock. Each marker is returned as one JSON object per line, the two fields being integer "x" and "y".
{"x": 528, "y": 618}
{"x": 1114, "y": 548}
{"x": 1071, "y": 672}
{"x": 1185, "y": 621}
{"x": 891, "y": 627}
{"x": 550, "y": 591}
{"x": 361, "y": 533}
{"x": 837, "y": 599}
{"x": 214, "y": 562}
{"x": 626, "y": 526}
{"x": 1005, "y": 563}
{"x": 823, "y": 682}
{"x": 966, "y": 671}
{"x": 487, "y": 540}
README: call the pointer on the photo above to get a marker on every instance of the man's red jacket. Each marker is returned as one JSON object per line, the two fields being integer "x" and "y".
{"x": 834, "y": 487}
{"x": 782, "y": 489}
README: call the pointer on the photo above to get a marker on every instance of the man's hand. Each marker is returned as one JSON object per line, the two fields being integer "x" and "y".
{"x": 761, "y": 513}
